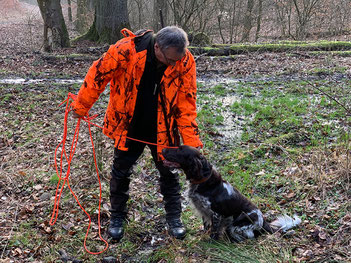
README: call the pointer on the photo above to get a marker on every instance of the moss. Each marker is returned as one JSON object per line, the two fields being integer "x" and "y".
{"x": 284, "y": 46}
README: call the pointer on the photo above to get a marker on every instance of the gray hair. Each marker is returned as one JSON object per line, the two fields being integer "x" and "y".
{"x": 172, "y": 36}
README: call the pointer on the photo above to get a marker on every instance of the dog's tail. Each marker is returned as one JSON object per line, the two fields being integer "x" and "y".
{"x": 283, "y": 223}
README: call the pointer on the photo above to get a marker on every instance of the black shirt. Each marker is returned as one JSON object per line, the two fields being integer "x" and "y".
{"x": 144, "y": 122}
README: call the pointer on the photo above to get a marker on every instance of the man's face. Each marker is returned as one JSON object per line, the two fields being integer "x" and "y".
{"x": 168, "y": 56}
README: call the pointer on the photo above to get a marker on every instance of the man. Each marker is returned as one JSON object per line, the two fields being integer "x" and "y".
{"x": 152, "y": 98}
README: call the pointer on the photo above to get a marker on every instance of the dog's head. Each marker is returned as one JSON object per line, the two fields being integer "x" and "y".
{"x": 188, "y": 158}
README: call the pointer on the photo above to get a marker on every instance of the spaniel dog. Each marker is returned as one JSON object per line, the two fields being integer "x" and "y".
{"x": 222, "y": 207}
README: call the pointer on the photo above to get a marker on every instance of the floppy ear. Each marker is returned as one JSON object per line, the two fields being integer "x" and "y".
{"x": 206, "y": 167}
{"x": 199, "y": 169}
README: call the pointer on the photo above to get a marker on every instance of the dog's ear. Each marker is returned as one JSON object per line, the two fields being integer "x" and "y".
{"x": 205, "y": 166}
{"x": 196, "y": 169}
{"x": 199, "y": 168}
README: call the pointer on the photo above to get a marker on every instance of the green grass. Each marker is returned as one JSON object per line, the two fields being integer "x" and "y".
{"x": 283, "y": 124}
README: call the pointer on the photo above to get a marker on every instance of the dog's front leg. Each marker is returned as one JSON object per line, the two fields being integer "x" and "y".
{"x": 217, "y": 226}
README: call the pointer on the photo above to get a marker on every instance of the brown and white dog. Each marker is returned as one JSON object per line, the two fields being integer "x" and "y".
{"x": 221, "y": 206}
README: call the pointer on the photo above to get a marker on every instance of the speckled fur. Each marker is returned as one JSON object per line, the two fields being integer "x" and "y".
{"x": 222, "y": 207}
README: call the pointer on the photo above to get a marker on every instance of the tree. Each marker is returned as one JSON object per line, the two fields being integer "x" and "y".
{"x": 81, "y": 23}
{"x": 55, "y": 31}
{"x": 9, "y": 4}
{"x": 305, "y": 9}
{"x": 69, "y": 10}
{"x": 191, "y": 15}
{"x": 259, "y": 18}
{"x": 247, "y": 21}
{"x": 111, "y": 16}
{"x": 160, "y": 5}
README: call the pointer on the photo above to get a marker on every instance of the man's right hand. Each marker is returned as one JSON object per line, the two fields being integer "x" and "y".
{"x": 76, "y": 116}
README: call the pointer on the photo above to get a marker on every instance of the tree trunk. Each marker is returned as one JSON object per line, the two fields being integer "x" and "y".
{"x": 163, "y": 6}
{"x": 82, "y": 22}
{"x": 247, "y": 21}
{"x": 111, "y": 16}
{"x": 10, "y": 5}
{"x": 259, "y": 17}
{"x": 305, "y": 11}
{"x": 70, "y": 19}
{"x": 55, "y": 31}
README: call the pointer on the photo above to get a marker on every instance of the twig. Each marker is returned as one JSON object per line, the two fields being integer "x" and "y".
{"x": 330, "y": 97}
{"x": 8, "y": 240}
{"x": 201, "y": 55}
{"x": 286, "y": 152}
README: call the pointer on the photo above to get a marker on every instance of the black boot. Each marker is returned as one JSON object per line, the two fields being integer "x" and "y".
{"x": 115, "y": 229}
{"x": 119, "y": 195}
{"x": 170, "y": 189}
{"x": 176, "y": 228}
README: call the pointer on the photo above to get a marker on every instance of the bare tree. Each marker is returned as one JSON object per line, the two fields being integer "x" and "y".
{"x": 258, "y": 20}
{"x": 305, "y": 9}
{"x": 188, "y": 13}
{"x": 247, "y": 23}
{"x": 111, "y": 16}
{"x": 69, "y": 3}
{"x": 55, "y": 31}
{"x": 82, "y": 22}
{"x": 160, "y": 5}
{"x": 337, "y": 24}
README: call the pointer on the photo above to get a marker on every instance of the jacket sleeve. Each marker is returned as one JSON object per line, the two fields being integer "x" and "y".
{"x": 186, "y": 120}
{"x": 99, "y": 74}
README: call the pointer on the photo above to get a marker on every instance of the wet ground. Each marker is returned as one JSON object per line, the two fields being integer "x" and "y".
{"x": 33, "y": 83}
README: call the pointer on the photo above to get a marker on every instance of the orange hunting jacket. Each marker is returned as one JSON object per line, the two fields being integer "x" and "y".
{"x": 123, "y": 67}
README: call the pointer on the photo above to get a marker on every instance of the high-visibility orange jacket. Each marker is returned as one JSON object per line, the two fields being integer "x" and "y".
{"x": 123, "y": 67}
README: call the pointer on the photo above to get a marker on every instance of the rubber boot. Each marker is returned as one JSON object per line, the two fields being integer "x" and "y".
{"x": 119, "y": 195}
{"x": 170, "y": 189}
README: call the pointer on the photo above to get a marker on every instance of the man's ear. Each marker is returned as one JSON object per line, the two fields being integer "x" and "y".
{"x": 156, "y": 46}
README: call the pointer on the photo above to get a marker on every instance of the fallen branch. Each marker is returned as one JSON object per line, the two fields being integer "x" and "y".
{"x": 330, "y": 97}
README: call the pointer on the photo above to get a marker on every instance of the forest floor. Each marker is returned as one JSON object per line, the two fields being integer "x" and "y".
{"x": 276, "y": 125}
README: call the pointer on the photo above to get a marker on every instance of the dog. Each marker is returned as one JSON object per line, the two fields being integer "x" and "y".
{"x": 221, "y": 206}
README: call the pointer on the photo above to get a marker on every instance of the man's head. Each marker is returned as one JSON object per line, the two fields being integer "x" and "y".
{"x": 170, "y": 46}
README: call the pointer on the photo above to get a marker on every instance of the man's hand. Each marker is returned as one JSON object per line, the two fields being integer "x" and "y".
{"x": 76, "y": 116}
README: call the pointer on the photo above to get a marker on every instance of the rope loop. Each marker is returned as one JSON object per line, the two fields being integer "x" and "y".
{"x": 69, "y": 156}
{"x": 65, "y": 179}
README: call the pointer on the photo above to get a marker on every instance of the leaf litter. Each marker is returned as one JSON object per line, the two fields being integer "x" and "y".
{"x": 31, "y": 127}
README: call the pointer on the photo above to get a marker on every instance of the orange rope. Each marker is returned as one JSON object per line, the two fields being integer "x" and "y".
{"x": 69, "y": 158}
{"x": 66, "y": 178}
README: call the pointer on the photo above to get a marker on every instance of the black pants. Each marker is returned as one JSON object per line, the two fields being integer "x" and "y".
{"x": 120, "y": 178}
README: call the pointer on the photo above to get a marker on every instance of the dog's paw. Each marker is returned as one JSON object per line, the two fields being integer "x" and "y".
{"x": 214, "y": 236}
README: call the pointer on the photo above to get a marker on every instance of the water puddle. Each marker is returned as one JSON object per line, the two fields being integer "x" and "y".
{"x": 229, "y": 129}
{"x": 36, "y": 81}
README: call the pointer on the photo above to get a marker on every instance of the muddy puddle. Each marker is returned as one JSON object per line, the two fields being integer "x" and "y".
{"x": 22, "y": 81}
{"x": 230, "y": 126}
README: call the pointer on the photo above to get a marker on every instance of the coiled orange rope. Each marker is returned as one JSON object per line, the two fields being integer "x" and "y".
{"x": 69, "y": 158}
{"x": 66, "y": 178}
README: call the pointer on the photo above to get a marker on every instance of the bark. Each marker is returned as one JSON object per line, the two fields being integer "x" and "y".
{"x": 111, "y": 16}
{"x": 10, "y": 4}
{"x": 82, "y": 22}
{"x": 259, "y": 17}
{"x": 55, "y": 31}
{"x": 163, "y": 6}
{"x": 70, "y": 18}
{"x": 305, "y": 10}
{"x": 247, "y": 21}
